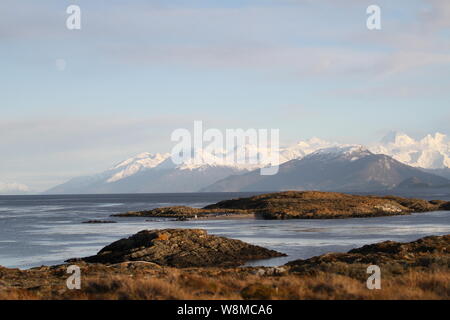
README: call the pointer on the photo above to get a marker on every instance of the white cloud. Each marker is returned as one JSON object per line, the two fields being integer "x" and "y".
{"x": 10, "y": 188}
{"x": 438, "y": 15}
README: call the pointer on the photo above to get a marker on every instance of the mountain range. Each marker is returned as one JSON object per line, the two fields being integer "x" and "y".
{"x": 344, "y": 169}
{"x": 310, "y": 164}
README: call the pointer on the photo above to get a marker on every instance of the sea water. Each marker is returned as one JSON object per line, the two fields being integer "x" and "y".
{"x": 46, "y": 230}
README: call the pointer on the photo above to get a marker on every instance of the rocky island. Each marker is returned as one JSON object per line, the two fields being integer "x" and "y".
{"x": 416, "y": 270}
{"x": 301, "y": 205}
{"x": 180, "y": 248}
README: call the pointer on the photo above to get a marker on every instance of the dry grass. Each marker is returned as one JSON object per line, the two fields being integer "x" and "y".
{"x": 233, "y": 285}
{"x": 415, "y": 270}
{"x": 301, "y": 205}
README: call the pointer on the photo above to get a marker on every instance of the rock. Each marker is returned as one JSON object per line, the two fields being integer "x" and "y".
{"x": 325, "y": 205}
{"x": 182, "y": 213}
{"x": 170, "y": 212}
{"x": 392, "y": 257}
{"x": 445, "y": 206}
{"x": 300, "y": 205}
{"x": 438, "y": 202}
{"x": 99, "y": 221}
{"x": 181, "y": 248}
{"x": 269, "y": 271}
{"x": 418, "y": 270}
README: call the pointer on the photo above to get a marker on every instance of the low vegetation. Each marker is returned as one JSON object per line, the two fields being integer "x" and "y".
{"x": 302, "y": 205}
{"x": 232, "y": 284}
{"x": 415, "y": 270}
{"x": 181, "y": 248}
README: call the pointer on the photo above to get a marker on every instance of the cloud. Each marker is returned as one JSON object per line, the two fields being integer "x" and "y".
{"x": 293, "y": 40}
{"x": 13, "y": 188}
{"x": 287, "y": 37}
{"x": 44, "y": 151}
{"x": 437, "y": 16}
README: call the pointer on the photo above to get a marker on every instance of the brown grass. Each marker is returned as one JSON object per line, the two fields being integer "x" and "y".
{"x": 185, "y": 285}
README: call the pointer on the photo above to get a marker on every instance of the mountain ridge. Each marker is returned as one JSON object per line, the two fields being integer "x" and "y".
{"x": 353, "y": 169}
{"x": 157, "y": 173}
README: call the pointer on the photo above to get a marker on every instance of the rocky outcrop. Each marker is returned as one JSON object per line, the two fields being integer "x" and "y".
{"x": 180, "y": 248}
{"x": 99, "y": 221}
{"x": 301, "y": 205}
{"x": 341, "y": 169}
{"x": 445, "y": 206}
{"x": 327, "y": 205}
{"x": 426, "y": 254}
{"x": 178, "y": 212}
{"x": 416, "y": 270}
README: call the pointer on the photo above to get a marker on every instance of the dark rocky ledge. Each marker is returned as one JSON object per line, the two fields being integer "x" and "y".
{"x": 302, "y": 205}
{"x": 180, "y": 212}
{"x": 180, "y": 248}
{"x": 416, "y": 270}
{"x": 99, "y": 221}
{"x": 428, "y": 254}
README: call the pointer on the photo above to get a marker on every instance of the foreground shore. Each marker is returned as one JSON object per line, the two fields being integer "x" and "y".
{"x": 298, "y": 205}
{"x": 414, "y": 270}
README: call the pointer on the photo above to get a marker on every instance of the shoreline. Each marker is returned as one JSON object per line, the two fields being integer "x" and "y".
{"x": 299, "y": 205}
{"x": 405, "y": 275}
{"x": 237, "y": 216}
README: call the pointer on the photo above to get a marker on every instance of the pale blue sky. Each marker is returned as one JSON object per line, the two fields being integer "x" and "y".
{"x": 137, "y": 70}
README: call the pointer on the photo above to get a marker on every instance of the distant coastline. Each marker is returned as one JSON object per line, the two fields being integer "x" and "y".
{"x": 298, "y": 205}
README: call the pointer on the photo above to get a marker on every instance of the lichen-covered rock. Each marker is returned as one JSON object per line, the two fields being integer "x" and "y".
{"x": 445, "y": 206}
{"x": 326, "y": 205}
{"x": 429, "y": 254}
{"x": 98, "y": 221}
{"x": 181, "y": 248}
{"x": 169, "y": 212}
{"x": 301, "y": 205}
{"x": 181, "y": 213}
{"x": 414, "y": 270}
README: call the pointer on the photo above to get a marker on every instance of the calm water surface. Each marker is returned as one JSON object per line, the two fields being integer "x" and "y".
{"x": 45, "y": 230}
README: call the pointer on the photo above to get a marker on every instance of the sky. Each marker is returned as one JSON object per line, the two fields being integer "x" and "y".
{"x": 75, "y": 102}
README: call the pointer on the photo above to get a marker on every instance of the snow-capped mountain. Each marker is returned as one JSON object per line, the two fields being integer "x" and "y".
{"x": 430, "y": 152}
{"x": 342, "y": 153}
{"x": 345, "y": 169}
{"x": 149, "y": 172}
{"x": 303, "y": 148}
{"x": 127, "y": 168}
{"x": 138, "y": 163}
{"x": 146, "y": 173}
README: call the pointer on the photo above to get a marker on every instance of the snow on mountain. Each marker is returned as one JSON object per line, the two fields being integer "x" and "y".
{"x": 431, "y": 152}
{"x": 344, "y": 152}
{"x": 13, "y": 188}
{"x": 133, "y": 165}
{"x": 303, "y": 148}
{"x": 241, "y": 157}
{"x": 158, "y": 171}
{"x": 343, "y": 168}
{"x": 148, "y": 172}
{"x": 248, "y": 156}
